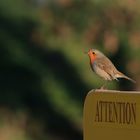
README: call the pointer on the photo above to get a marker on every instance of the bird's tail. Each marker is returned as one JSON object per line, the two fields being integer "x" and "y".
{"x": 121, "y": 75}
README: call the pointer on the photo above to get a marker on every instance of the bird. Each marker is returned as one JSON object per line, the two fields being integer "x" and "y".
{"x": 104, "y": 68}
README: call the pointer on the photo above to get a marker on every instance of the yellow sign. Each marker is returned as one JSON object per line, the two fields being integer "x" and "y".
{"x": 112, "y": 115}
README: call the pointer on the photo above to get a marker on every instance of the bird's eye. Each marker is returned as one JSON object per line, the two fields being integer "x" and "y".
{"x": 93, "y": 52}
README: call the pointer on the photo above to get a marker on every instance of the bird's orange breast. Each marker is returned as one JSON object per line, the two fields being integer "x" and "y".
{"x": 92, "y": 56}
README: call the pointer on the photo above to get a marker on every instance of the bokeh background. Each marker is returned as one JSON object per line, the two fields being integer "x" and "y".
{"x": 44, "y": 72}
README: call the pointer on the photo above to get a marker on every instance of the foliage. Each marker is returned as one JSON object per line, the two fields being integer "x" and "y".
{"x": 44, "y": 73}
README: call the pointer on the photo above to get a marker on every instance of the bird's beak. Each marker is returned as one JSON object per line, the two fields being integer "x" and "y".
{"x": 88, "y": 52}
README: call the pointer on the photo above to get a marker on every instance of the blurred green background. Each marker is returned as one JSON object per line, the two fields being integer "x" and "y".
{"x": 44, "y": 72}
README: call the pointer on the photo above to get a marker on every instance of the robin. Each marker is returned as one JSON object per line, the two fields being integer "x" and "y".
{"x": 103, "y": 67}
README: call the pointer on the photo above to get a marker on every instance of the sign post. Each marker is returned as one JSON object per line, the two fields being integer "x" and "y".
{"x": 112, "y": 115}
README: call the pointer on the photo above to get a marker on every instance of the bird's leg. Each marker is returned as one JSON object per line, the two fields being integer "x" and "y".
{"x": 102, "y": 88}
{"x": 104, "y": 85}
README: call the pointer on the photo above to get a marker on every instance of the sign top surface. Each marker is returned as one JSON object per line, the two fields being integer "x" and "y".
{"x": 112, "y": 115}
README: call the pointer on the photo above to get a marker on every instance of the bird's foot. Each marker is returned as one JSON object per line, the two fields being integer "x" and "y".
{"x": 103, "y": 87}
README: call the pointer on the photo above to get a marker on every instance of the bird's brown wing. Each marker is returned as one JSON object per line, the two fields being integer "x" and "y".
{"x": 106, "y": 65}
